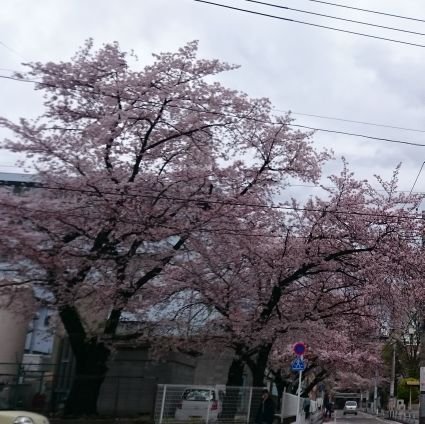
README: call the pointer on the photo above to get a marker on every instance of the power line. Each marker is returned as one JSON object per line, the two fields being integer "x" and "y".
{"x": 11, "y": 50}
{"x": 27, "y": 80}
{"x": 2, "y": 165}
{"x": 332, "y": 118}
{"x": 231, "y": 203}
{"x": 370, "y": 137}
{"x": 315, "y": 186}
{"x": 308, "y": 12}
{"x": 229, "y": 115}
{"x": 416, "y": 180}
{"x": 331, "y": 187}
{"x": 277, "y": 110}
{"x": 230, "y": 231}
{"x": 392, "y": 40}
{"x": 367, "y": 10}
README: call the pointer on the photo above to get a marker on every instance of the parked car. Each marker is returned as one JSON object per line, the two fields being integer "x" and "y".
{"x": 350, "y": 407}
{"x": 21, "y": 417}
{"x": 198, "y": 403}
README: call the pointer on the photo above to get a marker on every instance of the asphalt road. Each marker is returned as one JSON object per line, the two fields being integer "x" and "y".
{"x": 360, "y": 418}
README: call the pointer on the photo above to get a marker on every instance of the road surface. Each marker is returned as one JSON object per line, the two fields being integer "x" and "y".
{"x": 360, "y": 418}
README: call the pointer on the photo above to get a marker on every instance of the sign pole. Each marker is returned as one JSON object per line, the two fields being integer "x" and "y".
{"x": 300, "y": 377}
{"x": 298, "y": 365}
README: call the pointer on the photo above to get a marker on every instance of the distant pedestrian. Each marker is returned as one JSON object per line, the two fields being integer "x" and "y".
{"x": 266, "y": 410}
{"x": 328, "y": 406}
{"x": 306, "y": 408}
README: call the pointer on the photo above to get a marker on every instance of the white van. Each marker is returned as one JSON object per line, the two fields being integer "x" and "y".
{"x": 200, "y": 403}
{"x": 350, "y": 407}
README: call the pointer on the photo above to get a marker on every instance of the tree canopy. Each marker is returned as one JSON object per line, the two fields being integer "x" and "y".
{"x": 161, "y": 191}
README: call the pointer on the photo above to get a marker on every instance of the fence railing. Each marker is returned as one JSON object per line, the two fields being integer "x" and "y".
{"x": 407, "y": 417}
{"x": 402, "y": 416}
{"x": 224, "y": 404}
{"x": 118, "y": 396}
{"x": 185, "y": 403}
{"x": 309, "y": 409}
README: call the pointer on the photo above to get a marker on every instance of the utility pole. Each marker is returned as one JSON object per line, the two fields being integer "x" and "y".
{"x": 392, "y": 385}
{"x": 375, "y": 395}
{"x": 422, "y": 374}
{"x": 422, "y": 348}
{"x": 422, "y": 371}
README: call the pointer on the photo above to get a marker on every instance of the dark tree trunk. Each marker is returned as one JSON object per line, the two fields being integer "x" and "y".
{"x": 235, "y": 375}
{"x": 258, "y": 365}
{"x": 234, "y": 381}
{"x": 91, "y": 359}
{"x": 280, "y": 385}
{"x": 90, "y": 373}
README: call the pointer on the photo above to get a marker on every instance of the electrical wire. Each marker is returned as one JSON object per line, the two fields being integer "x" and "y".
{"x": 275, "y": 109}
{"x": 308, "y": 12}
{"x": 370, "y": 137}
{"x": 315, "y": 186}
{"x": 11, "y": 50}
{"x": 230, "y": 203}
{"x": 228, "y": 231}
{"x": 392, "y": 40}
{"x": 416, "y": 180}
{"x": 332, "y": 118}
{"x": 330, "y": 187}
{"x": 294, "y": 125}
{"x": 229, "y": 115}
{"x": 376, "y": 12}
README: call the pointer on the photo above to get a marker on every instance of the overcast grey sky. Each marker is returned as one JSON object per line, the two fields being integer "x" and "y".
{"x": 304, "y": 69}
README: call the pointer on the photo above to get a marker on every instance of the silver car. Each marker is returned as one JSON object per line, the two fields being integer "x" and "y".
{"x": 350, "y": 407}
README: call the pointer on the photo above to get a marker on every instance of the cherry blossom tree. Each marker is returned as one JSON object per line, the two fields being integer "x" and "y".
{"x": 331, "y": 261}
{"x": 345, "y": 351}
{"x": 136, "y": 169}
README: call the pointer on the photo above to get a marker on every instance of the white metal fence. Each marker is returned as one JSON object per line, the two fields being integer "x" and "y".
{"x": 407, "y": 417}
{"x": 211, "y": 404}
{"x": 186, "y": 403}
{"x": 309, "y": 409}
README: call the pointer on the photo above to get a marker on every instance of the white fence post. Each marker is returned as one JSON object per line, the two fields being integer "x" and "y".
{"x": 161, "y": 416}
{"x": 299, "y": 396}
{"x": 208, "y": 412}
{"x": 249, "y": 406}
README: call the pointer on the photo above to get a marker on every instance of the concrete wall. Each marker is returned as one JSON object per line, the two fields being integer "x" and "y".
{"x": 212, "y": 368}
{"x": 15, "y": 315}
{"x": 131, "y": 384}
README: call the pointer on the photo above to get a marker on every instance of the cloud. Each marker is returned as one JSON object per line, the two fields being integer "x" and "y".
{"x": 300, "y": 68}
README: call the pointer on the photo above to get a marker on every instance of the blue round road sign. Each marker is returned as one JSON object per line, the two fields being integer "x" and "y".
{"x": 299, "y": 348}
